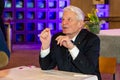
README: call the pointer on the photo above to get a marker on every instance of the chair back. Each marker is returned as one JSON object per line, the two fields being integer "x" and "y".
{"x": 107, "y": 65}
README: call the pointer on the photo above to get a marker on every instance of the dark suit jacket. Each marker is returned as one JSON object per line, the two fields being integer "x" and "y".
{"x": 1, "y": 7}
{"x": 87, "y": 60}
{"x": 1, "y": 20}
{"x": 3, "y": 45}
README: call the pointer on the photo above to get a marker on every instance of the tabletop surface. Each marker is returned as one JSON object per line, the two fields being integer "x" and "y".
{"x": 110, "y": 32}
{"x": 34, "y": 73}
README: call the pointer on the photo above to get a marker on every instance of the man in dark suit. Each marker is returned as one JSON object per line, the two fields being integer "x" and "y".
{"x": 79, "y": 55}
{"x": 4, "y": 51}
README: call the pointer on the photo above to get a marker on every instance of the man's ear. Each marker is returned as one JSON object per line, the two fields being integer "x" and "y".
{"x": 3, "y": 59}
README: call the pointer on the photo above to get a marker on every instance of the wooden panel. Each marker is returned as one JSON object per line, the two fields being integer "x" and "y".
{"x": 85, "y": 5}
{"x": 114, "y": 25}
{"x": 98, "y": 1}
{"x": 114, "y": 14}
{"x": 114, "y": 22}
{"x": 115, "y": 8}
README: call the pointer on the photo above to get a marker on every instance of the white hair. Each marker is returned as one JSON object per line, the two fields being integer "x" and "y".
{"x": 78, "y": 11}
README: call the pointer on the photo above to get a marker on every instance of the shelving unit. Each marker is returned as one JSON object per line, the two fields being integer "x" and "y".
{"x": 29, "y": 17}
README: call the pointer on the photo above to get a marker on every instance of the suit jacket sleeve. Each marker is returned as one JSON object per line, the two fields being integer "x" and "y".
{"x": 49, "y": 61}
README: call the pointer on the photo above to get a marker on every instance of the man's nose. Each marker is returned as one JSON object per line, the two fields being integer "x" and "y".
{"x": 64, "y": 22}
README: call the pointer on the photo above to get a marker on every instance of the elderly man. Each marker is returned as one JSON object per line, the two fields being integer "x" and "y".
{"x": 80, "y": 55}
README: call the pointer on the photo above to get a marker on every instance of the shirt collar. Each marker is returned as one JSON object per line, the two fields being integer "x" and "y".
{"x": 73, "y": 39}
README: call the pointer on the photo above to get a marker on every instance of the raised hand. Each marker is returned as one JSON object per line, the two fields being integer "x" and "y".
{"x": 45, "y": 38}
{"x": 64, "y": 41}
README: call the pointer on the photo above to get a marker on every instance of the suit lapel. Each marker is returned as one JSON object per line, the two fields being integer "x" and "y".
{"x": 80, "y": 36}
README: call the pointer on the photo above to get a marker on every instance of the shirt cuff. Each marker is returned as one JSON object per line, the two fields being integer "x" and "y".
{"x": 74, "y": 52}
{"x": 44, "y": 53}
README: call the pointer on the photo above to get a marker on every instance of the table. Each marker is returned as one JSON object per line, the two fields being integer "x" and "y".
{"x": 110, "y": 32}
{"x": 110, "y": 43}
{"x": 34, "y": 73}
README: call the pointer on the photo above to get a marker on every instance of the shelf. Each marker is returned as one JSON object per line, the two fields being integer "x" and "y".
{"x": 30, "y": 17}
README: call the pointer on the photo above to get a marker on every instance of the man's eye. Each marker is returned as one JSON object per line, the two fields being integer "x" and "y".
{"x": 69, "y": 19}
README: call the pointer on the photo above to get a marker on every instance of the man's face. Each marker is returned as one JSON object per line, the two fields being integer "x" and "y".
{"x": 70, "y": 24}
